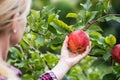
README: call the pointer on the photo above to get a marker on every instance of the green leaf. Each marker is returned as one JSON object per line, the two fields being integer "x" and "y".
{"x": 52, "y": 29}
{"x": 71, "y": 15}
{"x": 92, "y": 16}
{"x": 95, "y": 34}
{"x": 51, "y": 17}
{"x": 107, "y": 55}
{"x": 35, "y": 55}
{"x": 55, "y": 47}
{"x": 51, "y": 58}
{"x": 117, "y": 68}
{"x": 58, "y": 29}
{"x": 27, "y": 77}
{"x": 95, "y": 28}
{"x": 41, "y": 22}
{"x": 40, "y": 40}
{"x": 97, "y": 39}
{"x": 110, "y": 76}
{"x": 35, "y": 13}
{"x": 87, "y": 5}
{"x": 60, "y": 26}
{"x": 97, "y": 51}
{"x": 111, "y": 40}
{"x": 112, "y": 17}
{"x": 56, "y": 40}
{"x": 106, "y": 4}
{"x": 82, "y": 16}
{"x": 17, "y": 53}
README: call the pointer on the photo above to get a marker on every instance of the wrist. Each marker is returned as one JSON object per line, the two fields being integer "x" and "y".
{"x": 60, "y": 69}
{"x": 66, "y": 62}
{"x": 64, "y": 65}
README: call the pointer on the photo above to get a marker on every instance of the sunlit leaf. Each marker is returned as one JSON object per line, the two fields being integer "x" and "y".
{"x": 62, "y": 24}
{"x": 72, "y": 15}
{"x": 107, "y": 4}
{"x": 95, "y": 28}
{"x": 35, "y": 13}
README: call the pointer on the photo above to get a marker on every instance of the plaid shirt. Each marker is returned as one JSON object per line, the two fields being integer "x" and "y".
{"x": 46, "y": 76}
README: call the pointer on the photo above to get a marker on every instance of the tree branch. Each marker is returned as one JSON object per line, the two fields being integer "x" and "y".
{"x": 88, "y": 25}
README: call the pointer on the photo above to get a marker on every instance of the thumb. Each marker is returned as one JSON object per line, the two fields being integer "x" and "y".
{"x": 65, "y": 45}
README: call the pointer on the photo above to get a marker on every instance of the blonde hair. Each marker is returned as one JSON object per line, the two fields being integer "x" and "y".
{"x": 7, "y": 9}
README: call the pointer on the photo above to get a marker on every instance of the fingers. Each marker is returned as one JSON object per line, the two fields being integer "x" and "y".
{"x": 74, "y": 58}
{"x": 87, "y": 50}
{"x": 90, "y": 44}
{"x": 64, "y": 50}
{"x": 84, "y": 54}
{"x": 88, "y": 47}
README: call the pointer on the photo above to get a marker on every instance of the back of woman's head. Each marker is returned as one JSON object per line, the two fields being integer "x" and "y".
{"x": 7, "y": 9}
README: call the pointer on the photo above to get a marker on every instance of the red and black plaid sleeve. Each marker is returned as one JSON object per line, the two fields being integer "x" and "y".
{"x": 48, "y": 76}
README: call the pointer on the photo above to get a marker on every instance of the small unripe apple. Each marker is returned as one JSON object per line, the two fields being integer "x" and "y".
{"x": 116, "y": 53}
{"x": 78, "y": 41}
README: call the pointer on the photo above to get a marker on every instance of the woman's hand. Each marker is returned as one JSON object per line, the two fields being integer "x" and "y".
{"x": 70, "y": 58}
{"x": 67, "y": 60}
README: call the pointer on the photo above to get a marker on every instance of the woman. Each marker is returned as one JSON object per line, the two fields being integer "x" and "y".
{"x": 13, "y": 15}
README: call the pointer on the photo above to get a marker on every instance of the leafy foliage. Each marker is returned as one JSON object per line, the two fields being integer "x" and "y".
{"x": 39, "y": 49}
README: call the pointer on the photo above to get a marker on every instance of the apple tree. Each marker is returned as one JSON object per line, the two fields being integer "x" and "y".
{"x": 39, "y": 49}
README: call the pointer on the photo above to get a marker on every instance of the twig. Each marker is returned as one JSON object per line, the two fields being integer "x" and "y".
{"x": 37, "y": 32}
{"x": 20, "y": 48}
{"x": 88, "y": 25}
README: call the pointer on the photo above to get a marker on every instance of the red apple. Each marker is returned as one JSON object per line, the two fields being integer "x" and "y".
{"x": 116, "y": 53}
{"x": 78, "y": 41}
